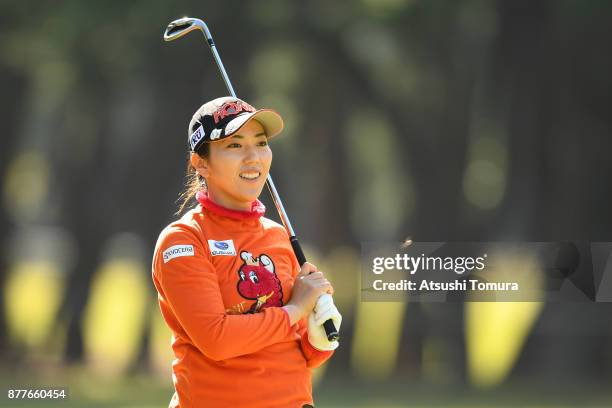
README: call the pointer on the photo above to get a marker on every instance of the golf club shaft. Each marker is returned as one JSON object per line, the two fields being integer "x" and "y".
{"x": 330, "y": 329}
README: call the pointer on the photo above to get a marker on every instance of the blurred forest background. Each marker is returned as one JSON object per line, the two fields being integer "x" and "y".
{"x": 467, "y": 120}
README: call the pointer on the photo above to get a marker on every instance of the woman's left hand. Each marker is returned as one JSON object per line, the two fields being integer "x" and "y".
{"x": 324, "y": 309}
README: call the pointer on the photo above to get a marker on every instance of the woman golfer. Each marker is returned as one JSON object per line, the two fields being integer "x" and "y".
{"x": 247, "y": 321}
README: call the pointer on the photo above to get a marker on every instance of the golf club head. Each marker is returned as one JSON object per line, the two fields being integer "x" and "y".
{"x": 183, "y": 26}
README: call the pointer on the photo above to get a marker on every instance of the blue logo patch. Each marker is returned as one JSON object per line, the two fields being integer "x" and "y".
{"x": 221, "y": 245}
{"x": 225, "y": 248}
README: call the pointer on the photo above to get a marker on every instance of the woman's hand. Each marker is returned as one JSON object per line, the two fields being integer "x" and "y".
{"x": 309, "y": 285}
{"x": 324, "y": 310}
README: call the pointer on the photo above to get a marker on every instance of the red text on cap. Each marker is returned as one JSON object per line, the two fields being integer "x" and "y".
{"x": 231, "y": 108}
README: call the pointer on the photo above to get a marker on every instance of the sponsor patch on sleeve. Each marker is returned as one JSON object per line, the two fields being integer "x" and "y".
{"x": 178, "y": 250}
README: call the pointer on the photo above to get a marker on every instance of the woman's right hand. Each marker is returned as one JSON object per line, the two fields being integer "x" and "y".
{"x": 309, "y": 285}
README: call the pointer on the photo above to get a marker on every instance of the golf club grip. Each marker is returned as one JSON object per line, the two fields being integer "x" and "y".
{"x": 330, "y": 329}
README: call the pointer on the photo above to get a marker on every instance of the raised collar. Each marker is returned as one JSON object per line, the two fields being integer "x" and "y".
{"x": 256, "y": 212}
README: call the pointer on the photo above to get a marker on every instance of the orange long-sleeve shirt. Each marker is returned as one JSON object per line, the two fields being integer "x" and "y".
{"x": 222, "y": 277}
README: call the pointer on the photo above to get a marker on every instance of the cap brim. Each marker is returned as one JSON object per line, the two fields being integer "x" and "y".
{"x": 269, "y": 119}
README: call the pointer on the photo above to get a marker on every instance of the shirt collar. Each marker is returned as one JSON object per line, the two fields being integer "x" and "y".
{"x": 257, "y": 208}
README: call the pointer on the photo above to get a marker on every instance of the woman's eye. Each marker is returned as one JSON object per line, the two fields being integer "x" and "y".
{"x": 233, "y": 145}
{"x": 265, "y": 143}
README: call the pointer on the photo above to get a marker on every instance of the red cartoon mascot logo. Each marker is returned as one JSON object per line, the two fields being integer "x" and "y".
{"x": 259, "y": 282}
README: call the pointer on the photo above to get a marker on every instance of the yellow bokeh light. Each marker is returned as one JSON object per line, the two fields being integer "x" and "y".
{"x": 115, "y": 315}
{"x": 33, "y": 293}
{"x": 376, "y": 340}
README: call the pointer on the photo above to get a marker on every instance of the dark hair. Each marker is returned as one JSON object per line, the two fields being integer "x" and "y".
{"x": 193, "y": 181}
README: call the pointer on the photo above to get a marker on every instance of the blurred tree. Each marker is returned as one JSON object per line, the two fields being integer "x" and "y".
{"x": 14, "y": 83}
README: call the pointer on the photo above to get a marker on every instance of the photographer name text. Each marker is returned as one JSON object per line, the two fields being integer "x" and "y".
{"x": 456, "y": 285}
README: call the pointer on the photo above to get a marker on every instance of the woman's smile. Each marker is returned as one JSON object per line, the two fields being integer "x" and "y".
{"x": 250, "y": 175}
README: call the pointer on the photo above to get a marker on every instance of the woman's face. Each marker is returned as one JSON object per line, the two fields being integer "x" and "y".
{"x": 237, "y": 167}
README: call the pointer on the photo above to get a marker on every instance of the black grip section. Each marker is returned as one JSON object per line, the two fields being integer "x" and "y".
{"x": 299, "y": 254}
{"x": 330, "y": 329}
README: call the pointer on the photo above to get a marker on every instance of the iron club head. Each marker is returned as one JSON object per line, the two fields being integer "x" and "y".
{"x": 183, "y": 26}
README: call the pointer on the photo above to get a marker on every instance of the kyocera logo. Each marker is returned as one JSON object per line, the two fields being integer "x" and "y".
{"x": 221, "y": 245}
{"x": 178, "y": 250}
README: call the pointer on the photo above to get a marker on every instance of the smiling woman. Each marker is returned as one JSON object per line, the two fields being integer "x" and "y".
{"x": 230, "y": 288}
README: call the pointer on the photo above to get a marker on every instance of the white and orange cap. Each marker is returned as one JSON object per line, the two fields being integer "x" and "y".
{"x": 222, "y": 117}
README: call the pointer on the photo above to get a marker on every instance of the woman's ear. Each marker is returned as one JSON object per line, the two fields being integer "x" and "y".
{"x": 199, "y": 163}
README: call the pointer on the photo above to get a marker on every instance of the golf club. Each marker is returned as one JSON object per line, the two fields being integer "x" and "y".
{"x": 183, "y": 26}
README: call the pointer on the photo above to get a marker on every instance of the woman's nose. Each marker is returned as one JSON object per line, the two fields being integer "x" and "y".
{"x": 251, "y": 154}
